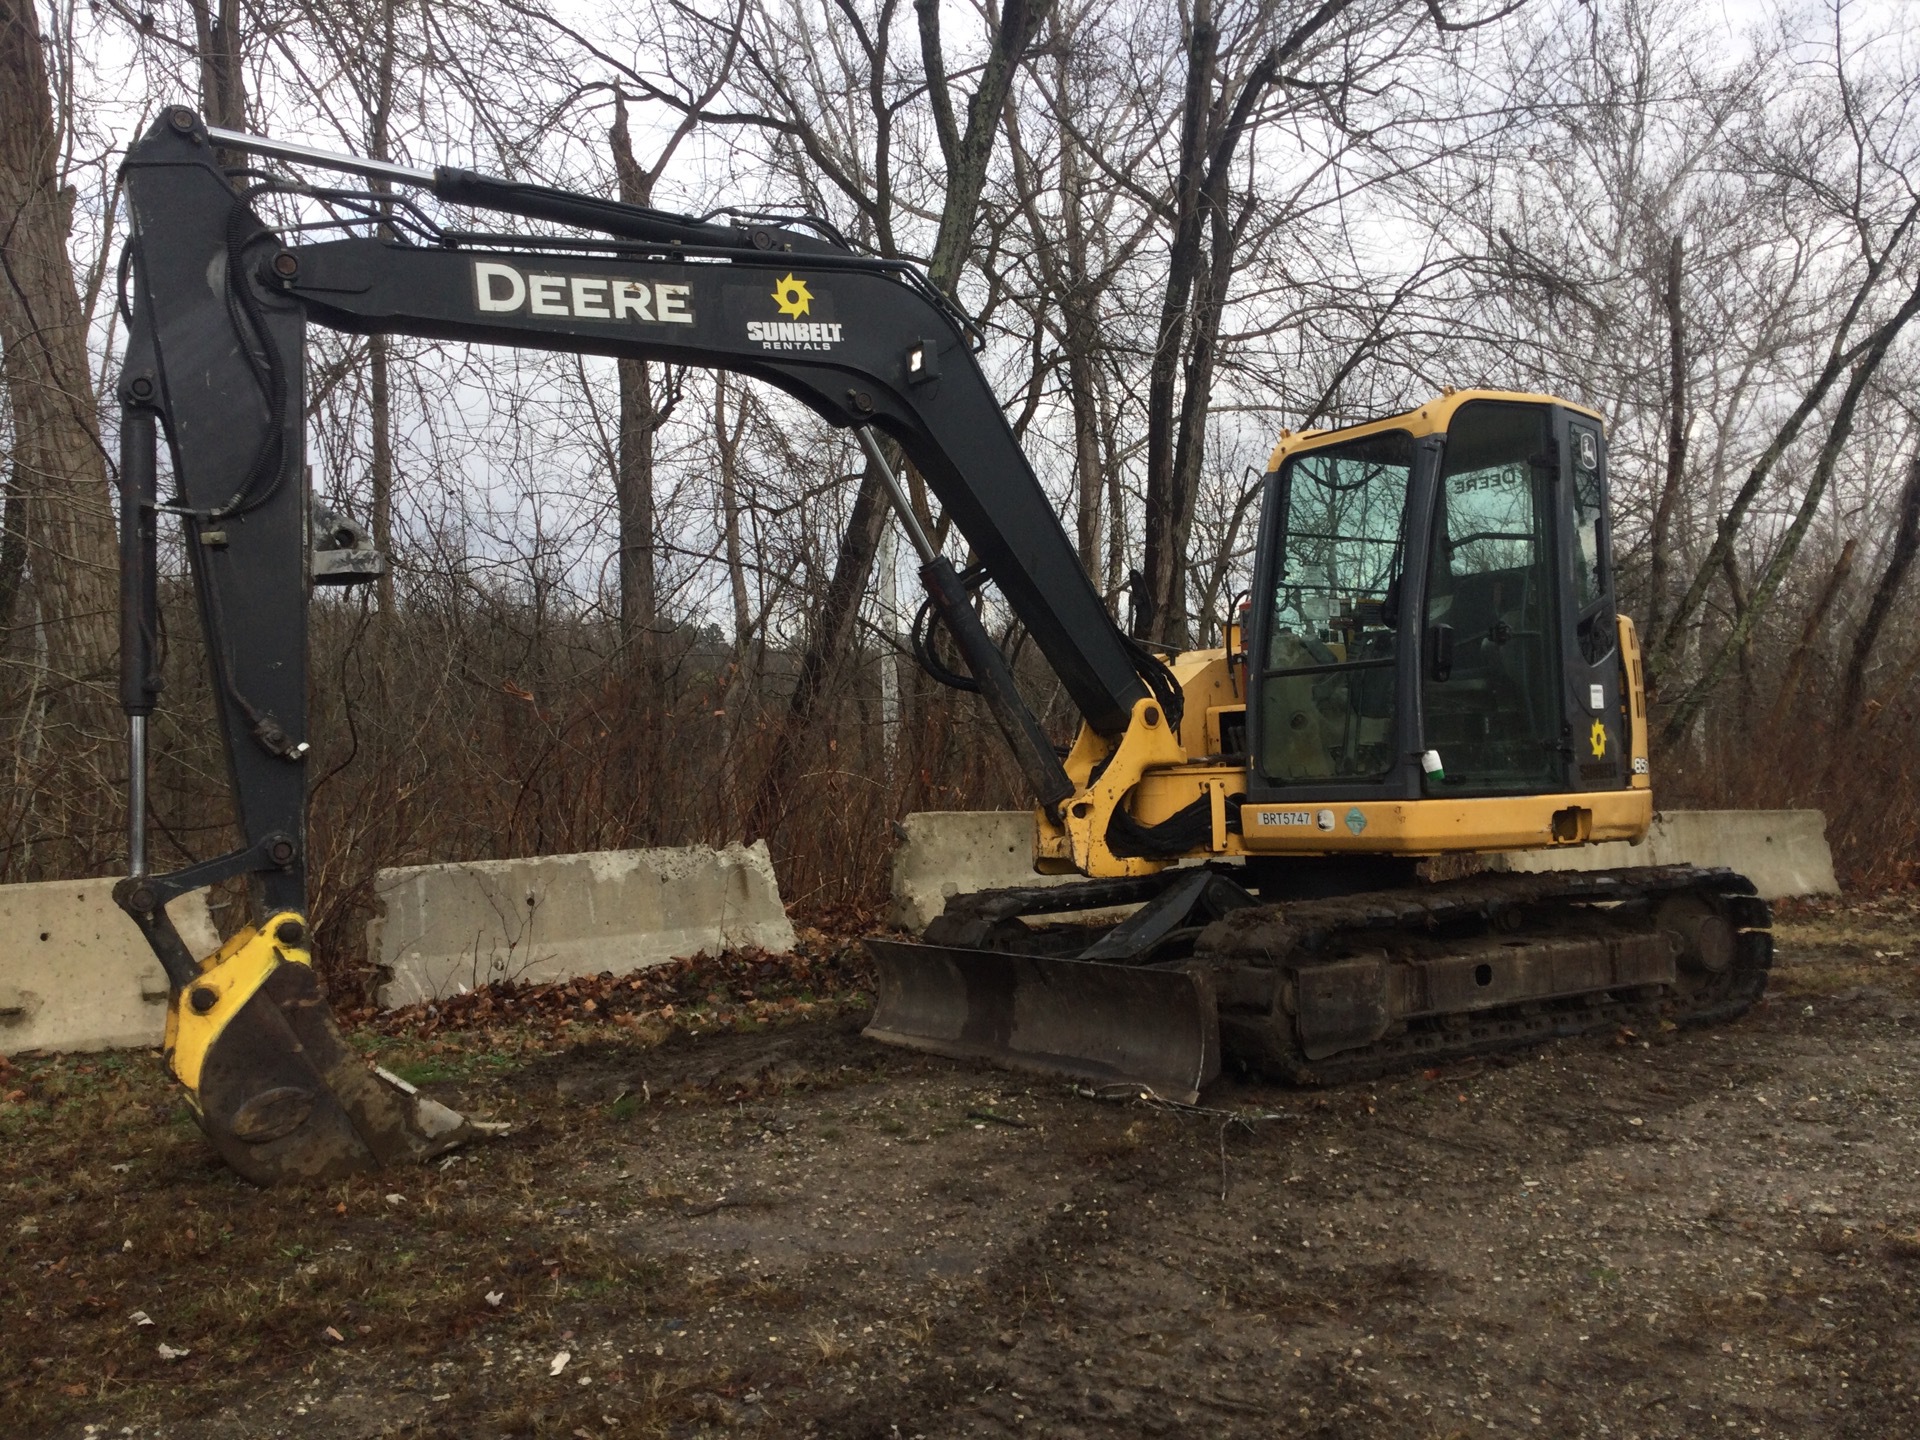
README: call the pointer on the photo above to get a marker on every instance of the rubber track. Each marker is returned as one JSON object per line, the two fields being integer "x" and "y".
{"x": 1320, "y": 925}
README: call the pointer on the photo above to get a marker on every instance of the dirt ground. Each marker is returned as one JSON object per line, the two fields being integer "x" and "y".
{"x": 706, "y": 1222}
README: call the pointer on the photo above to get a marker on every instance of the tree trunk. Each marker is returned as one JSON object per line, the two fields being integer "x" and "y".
{"x": 1658, "y": 540}
{"x": 1164, "y": 502}
{"x": 1810, "y": 632}
{"x": 379, "y": 347}
{"x": 223, "y": 83}
{"x": 737, "y": 695}
{"x": 60, "y": 497}
{"x": 1211, "y": 131}
{"x": 1738, "y": 601}
{"x": 633, "y": 490}
{"x": 1906, "y": 541}
{"x": 1079, "y": 311}
{"x": 380, "y": 419}
{"x": 633, "y": 465}
{"x": 1195, "y": 400}
{"x": 1066, "y": 269}
{"x": 826, "y": 648}
{"x": 13, "y": 546}
{"x": 968, "y": 152}
{"x": 1118, "y": 548}
{"x": 727, "y": 440}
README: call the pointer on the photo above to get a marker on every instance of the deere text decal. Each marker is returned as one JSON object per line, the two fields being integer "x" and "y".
{"x": 502, "y": 289}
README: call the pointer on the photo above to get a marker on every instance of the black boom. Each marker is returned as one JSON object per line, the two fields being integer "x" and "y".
{"x": 863, "y": 342}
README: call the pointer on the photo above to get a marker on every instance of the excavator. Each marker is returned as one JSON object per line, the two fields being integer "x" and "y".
{"x": 1430, "y": 667}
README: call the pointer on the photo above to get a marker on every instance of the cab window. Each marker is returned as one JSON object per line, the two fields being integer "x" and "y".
{"x": 1327, "y": 697}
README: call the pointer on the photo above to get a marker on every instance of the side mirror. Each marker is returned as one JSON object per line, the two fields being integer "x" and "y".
{"x": 1440, "y": 652}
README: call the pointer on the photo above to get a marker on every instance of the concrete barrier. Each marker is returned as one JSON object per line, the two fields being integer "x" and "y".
{"x": 1784, "y": 852}
{"x": 441, "y": 929}
{"x": 943, "y": 853}
{"x": 76, "y": 973}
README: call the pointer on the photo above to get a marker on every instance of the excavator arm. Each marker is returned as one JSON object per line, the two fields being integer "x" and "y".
{"x": 216, "y": 364}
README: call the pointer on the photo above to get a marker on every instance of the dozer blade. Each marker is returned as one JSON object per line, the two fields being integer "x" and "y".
{"x": 274, "y": 1084}
{"x": 1108, "y": 1024}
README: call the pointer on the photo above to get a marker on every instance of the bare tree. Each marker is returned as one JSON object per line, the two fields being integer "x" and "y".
{"x": 58, "y": 513}
{"x": 1222, "y": 103}
{"x": 1900, "y": 553}
{"x": 1083, "y": 233}
{"x": 862, "y": 174}
{"x": 641, "y": 417}
{"x": 1659, "y": 552}
{"x": 223, "y": 81}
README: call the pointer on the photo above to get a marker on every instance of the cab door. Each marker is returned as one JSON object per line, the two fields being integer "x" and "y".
{"x": 1491, "y": 692}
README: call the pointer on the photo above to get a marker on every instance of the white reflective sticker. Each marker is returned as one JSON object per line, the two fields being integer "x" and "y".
{"x": 1597, "y": 697}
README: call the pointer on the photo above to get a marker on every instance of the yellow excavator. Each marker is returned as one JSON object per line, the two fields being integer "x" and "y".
{"x": 1430, "y": 665}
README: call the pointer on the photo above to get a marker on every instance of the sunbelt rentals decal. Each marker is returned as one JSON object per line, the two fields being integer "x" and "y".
{"x": 801, "y": 331}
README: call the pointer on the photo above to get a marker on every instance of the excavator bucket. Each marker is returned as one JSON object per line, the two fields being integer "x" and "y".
{"x": 1154, "y": 1027}
{"x": 275, "y": 1086}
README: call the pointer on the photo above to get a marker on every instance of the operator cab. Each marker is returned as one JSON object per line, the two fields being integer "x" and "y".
{"x": 1434, "y": 609}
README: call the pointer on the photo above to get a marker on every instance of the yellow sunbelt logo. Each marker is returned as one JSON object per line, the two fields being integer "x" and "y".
{"x": 793, "y": 297}
{"x": 1598, "y": 738}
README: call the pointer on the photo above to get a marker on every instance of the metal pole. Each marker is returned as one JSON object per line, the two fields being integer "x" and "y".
{"x": 325, "y": 159}
{"x": 901, "y": 506}
{"x": 136, "y": 795}
{"x": 139, "y": 606}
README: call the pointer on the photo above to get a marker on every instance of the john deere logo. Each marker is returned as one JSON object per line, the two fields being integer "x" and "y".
{"x": 792, "y": 297}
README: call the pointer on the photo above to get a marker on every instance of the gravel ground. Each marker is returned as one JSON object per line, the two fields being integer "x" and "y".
{"x": 790, "y": 1231}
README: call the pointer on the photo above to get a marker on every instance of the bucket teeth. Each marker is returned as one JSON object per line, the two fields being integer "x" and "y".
{"x": 1154, "y": 1027}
